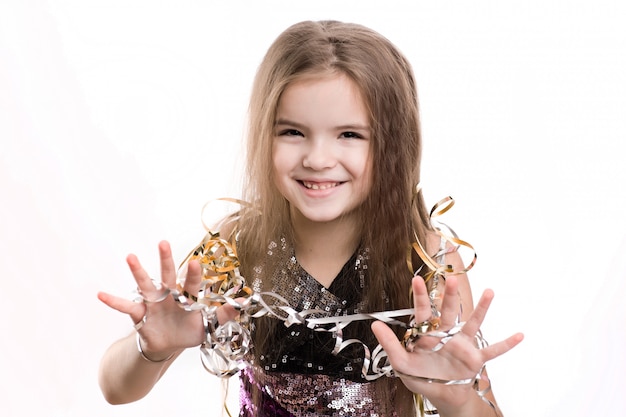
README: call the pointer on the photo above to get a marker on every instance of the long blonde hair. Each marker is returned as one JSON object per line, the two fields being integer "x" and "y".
{"x": 392, "y": 214}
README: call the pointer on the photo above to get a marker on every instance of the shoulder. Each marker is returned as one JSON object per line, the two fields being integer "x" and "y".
{"x": 433, "y": 242}
{"x": 227, "y": 227}
{"x": 452, "y": 257}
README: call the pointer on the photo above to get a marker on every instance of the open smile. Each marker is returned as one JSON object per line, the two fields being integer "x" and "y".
{"x": 319, "y": 185}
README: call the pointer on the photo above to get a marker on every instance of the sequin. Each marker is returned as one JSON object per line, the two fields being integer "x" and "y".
{"x": 298, "y": 395}
{"x": 300, "y": 376}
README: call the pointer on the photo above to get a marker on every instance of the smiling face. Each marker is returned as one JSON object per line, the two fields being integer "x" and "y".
{"x": 321, "y": 148}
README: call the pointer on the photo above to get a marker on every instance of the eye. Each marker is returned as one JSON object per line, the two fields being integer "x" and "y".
{"x": 351, "y": 135}
{"x": 290, "y": 132}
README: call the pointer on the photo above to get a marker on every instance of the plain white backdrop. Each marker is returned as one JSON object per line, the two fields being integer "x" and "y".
{"x": 120, "y": 119}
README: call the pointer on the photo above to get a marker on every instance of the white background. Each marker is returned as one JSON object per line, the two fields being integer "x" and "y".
{"x": 120, "y": 119}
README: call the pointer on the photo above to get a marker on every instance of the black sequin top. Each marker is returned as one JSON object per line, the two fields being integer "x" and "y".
{"x": 300, "y": 376}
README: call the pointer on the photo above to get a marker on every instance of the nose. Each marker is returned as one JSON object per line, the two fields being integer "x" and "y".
{"x": 320, "y": 155}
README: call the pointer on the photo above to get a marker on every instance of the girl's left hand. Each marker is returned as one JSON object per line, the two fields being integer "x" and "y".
{"x": 458, "y": 359}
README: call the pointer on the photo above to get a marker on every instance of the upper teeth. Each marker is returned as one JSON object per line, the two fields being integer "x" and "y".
{"x": 318, "y": 186}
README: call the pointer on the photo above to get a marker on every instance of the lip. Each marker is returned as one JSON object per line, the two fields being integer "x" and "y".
{"x": 319, "y": 187}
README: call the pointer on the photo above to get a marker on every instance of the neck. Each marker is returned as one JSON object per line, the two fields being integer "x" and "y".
{"x": 323, "y": 248}
{"x": 328, "y": 237}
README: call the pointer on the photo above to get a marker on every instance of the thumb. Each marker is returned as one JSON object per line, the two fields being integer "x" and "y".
{"x": 136, "y": 311}
{"x": 390, "y": 343}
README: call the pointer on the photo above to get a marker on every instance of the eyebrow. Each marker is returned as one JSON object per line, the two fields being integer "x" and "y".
{"x": 349, "y": 126}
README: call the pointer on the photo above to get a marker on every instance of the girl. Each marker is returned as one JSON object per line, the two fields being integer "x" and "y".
{"x": 333, "y": 162}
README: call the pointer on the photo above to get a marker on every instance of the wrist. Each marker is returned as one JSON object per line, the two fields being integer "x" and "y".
{"x": 152, "y": 357}
{"x": 474, "y": 407}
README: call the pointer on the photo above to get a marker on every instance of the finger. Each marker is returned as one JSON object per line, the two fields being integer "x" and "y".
{"x": 136, "y": 311}
{"x": 478, "y": 315}
{"x": 500, "y": 348}
{"x": 450, "y": 307}
{"x": 396, "y": 353}
{"x": 226, "y": 312}
{"x": 193, "y": 281}
{"x": 144, "y": 283}
{"x": 421, "y": 302}
{"x": 168, "y": 269}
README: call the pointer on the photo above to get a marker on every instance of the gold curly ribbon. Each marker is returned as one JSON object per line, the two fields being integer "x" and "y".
{"x": 441, "y": 207}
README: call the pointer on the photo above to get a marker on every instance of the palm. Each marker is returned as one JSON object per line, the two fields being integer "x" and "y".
{"x": 444, "y": 376}
{"x": 167, "y": 326}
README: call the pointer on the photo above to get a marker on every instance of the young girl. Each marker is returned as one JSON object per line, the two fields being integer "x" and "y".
{"x": 336, "y": 232}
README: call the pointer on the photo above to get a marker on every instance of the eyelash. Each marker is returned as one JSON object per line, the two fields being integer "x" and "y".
{"x": 344, "y": 135}
{"x": 290, "y": 132}
{"x": 351, "y": 135}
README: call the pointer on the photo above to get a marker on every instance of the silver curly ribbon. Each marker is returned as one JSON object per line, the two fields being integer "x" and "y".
{"x": 225, "y": 345}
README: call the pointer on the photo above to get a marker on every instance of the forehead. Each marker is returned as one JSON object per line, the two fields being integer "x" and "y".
{"x": 331, "y": 97}
{"x": 309, "y": 78}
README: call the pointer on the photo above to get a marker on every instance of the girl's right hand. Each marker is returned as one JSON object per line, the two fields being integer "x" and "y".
{"x": 168, "y": 328}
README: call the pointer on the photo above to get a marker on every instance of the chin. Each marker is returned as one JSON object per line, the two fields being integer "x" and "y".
{"x": 322, "y": 219}
{"x": 329, "y": 217}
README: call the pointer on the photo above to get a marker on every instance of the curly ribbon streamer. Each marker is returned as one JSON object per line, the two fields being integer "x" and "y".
{"x": 225, "y": 345}
{"x": 437, "y": 269}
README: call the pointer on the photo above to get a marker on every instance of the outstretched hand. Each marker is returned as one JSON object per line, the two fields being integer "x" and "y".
{"x": 167, "y": 328}
{"x": 459, "y": 359}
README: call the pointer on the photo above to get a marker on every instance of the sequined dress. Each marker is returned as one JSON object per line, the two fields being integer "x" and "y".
{"x": 299, "y": 376}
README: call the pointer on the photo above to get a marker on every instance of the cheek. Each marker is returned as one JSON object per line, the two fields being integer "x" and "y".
{"x": 278, "y": 158}
{"x": 368, "y": 174}
{"x": 280, "y": 166}
{"x": 363, "y": 164}
{"x": 368, "y": 178}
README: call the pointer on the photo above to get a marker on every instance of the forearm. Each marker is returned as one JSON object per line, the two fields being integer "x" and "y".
{"x": 125, "y": 376}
